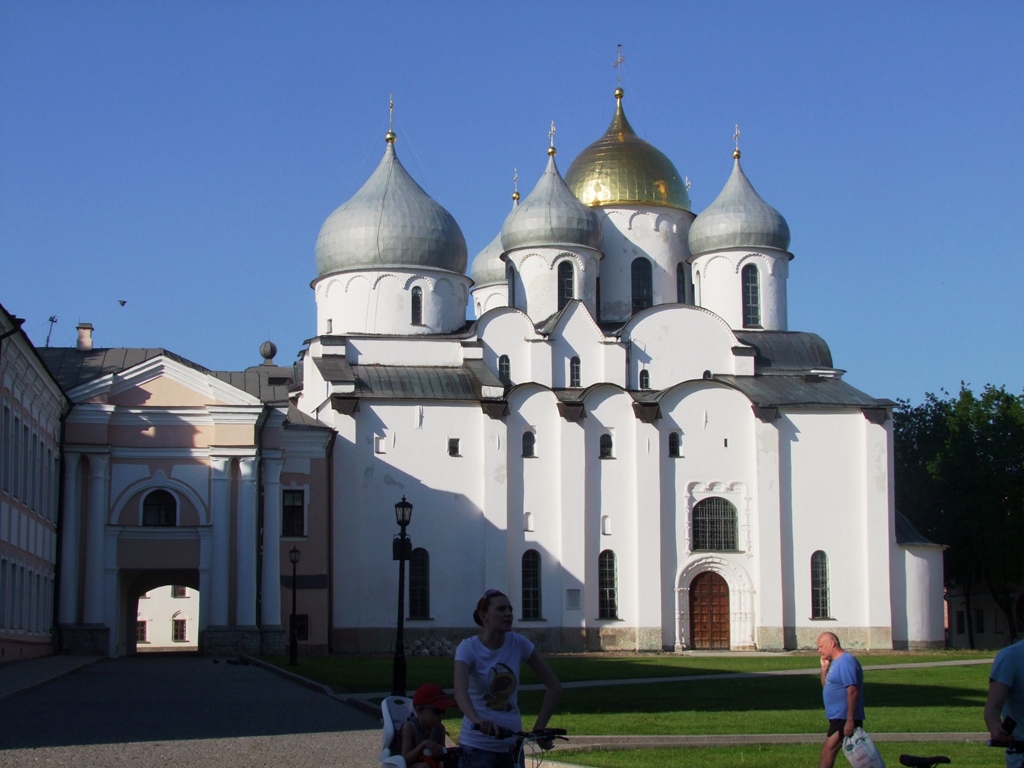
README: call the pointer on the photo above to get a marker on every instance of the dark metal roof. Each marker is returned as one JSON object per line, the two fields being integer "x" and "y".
{"x": 415, "y": 382}
{"x": 71, "y": 366}
{"x": 776, "y": 391}
{"x": 787, "y": 350}
{"x": 269, "y": 383}
{"x": 908, "y": 535}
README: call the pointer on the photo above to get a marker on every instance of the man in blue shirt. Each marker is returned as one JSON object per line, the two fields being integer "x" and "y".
{"x": 1006, "y": 700}
{"x": 842, "y": 683}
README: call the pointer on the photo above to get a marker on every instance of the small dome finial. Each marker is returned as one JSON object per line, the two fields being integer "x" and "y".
{"x": 551, "y": 135}
{"x": 736, "y": 138}
{"x": 267, "y": 351}
{"x": 515, "y": 185}
{"x": 390, "y": 137}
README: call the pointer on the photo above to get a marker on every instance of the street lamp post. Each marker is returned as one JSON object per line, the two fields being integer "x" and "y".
{"x": 401, "y": 550}
{"x": 293, "y": 635}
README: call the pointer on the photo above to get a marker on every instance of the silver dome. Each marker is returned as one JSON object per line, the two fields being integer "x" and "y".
{"x": 551, "y": 215}
{"x": 487, "y": 268}
{"x": 390, "y": 222}
{"x": 738, "y": 218}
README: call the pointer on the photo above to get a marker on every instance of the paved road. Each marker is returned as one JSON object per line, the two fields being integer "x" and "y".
{"x": 157, "y": 710}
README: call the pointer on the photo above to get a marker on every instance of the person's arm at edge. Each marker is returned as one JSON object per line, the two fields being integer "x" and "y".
{"x": 852, "y": 695}
{"x": 463, "y": 700}
{"x": 552, "y": 689}
{"x": 997, "y": 694}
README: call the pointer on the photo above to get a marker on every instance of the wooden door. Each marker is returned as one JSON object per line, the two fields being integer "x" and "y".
{"x": 709, "y": 612}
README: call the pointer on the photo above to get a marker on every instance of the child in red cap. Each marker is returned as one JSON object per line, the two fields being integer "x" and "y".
{"x": 422, "y": 737}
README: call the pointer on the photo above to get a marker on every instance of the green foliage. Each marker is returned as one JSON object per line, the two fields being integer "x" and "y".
{"x": 959, "y": 466}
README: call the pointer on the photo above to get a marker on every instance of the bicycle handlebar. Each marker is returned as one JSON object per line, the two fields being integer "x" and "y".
{"x": 539, "y": 735}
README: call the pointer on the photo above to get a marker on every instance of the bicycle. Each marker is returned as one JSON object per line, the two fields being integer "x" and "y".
{"x": 531, "y": 739}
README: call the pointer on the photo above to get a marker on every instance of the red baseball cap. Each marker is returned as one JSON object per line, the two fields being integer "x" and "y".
{"x": 431, "y": 695}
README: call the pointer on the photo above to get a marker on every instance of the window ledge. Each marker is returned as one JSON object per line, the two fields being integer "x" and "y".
{"x": 822, "y": 618}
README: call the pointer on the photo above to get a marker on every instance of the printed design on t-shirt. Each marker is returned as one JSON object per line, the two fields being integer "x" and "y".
{"x": 501, "y": 687}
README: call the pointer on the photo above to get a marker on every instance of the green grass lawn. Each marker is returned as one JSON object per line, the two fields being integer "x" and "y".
{"x": 963, "y": 755}
{"x": 918, "y": 700}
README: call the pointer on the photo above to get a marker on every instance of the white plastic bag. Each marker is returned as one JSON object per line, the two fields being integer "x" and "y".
{"x": 861, "y": 751}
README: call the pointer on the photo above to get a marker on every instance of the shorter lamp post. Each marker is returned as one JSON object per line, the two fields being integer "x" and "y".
{"x": 401, "y": 550}
{"x": 293, "y": 635}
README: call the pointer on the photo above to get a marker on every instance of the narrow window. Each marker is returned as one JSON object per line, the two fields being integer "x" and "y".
{"x": 606, "y": 447}
{"x": 819, "y": 586}
{"x": 505, "y": 370}
{"x": 453, "y": 446}
{"x": 419, "y": 584}
{"x": 177, "y": 591}
{"x": 293, "y": 513}
{"x": 531, "y": 584}
{"x": 141, "y": 631}
{"x": 510, "y": 278}
{"x": 574, "y": 372}
{"x": 674, "y": 445}
{"x": 607, "y": 586}
{"x": 178, "y": 631}
{"x": 159, "y": 508}
{"x": 751, "y": 297}
{"x": 645, "y": 379}
{"x": 529, "y": 444}
{"x": 714, "y": 525}
{"x": 643, "y": 291}
{"x": 6, "y": 458}
{"x": 417, "y": 306}
{"x": 565, "y": 284}
{"x": 680, "y": 284}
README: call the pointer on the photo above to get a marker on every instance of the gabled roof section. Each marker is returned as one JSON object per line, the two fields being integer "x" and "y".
{"x": 269, "y": 384}
{"x": 563, "y": 317}
{"x": 72, "y": 367}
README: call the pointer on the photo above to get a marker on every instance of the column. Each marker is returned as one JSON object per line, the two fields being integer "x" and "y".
{"x": 95, "y": 567}
{"x": 245, "y": 596}
{"x": 220, "y": 522}
{"x": 271, "y": 580}
{"x": 70, "y": 533}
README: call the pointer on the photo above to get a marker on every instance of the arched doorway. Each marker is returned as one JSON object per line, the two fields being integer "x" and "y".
{"x": 709, "y": 612}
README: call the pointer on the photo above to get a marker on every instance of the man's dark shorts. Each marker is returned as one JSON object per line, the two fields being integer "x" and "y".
{"x": 837, "y": 726}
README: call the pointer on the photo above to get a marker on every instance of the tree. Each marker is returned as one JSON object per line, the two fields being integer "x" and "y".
{"x": 960, "y": 478}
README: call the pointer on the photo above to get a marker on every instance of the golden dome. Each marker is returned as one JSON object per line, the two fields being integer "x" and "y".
{"x": 621, "y": 168}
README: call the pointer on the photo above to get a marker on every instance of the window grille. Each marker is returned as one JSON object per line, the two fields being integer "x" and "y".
{"x": 417, "y": 306}
{"x": 714, "y": 525}
{"x": 575, "y": 372}
{"x": 674, "y": 442}
{"x": 179, "y": 632}
{"x": 159, "y": 508}
{"x": 680, "y": 284}
{"x": 529, "y": 445}
{"x": 293, "y": 513}
{"x": 607, "y": 586}
{"x": 453, "y": 446}
{"x": 177, "y": 591}
{"x": 531, "y": 584}
{"x": 645, "y": 379}
{"x": 565, "y": 284}
{"x": 819, "y": 586}
{"x": 642, "y": 284}
{"x": 505, "y": 370}
{"x": 751, "y": 297}
{"x": 606, "y": 447}
{"x": 419, "y": 584}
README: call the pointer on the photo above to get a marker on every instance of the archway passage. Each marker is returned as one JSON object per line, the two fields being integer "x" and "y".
{"x": 709, "y": 612}
{"x": 162, "y": 612}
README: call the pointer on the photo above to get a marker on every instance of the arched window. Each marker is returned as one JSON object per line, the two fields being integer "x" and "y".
{"x": 680, "y": 284}
{"x": 417, "y": 306}
{"x": 531, "y": 584}
{"x": 606, "y": 447}
{"x": 565, "y": 284}
{"x": 751, "y": 297}
{"x": 819, "y": 585}
{"x": 607, "y": 586}
{"x": 510, "y": 278}
{"x": 674, "y": 445}
{"x": 643, "y": 291}
{"x": 574, "y": 372}
{"x": 419, "y": 584}
{"x": 505, "y": 370}
{"x": 529, "y": 444}
{"x": 714, "y": 524}
{"x": 645, "y": 379}
{"x": 160, "y": 508}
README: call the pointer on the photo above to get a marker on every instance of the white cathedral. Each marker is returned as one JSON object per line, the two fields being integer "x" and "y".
{"x": 628, "y": 440}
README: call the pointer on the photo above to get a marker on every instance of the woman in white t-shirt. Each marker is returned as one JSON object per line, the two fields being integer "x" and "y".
{"x": 487, "y": 684}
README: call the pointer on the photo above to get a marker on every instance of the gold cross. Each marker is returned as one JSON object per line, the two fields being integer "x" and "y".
{"x": 618, "y": 63}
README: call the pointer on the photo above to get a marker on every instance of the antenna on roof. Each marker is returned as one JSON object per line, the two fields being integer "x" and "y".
{"x": 53, "y": 320}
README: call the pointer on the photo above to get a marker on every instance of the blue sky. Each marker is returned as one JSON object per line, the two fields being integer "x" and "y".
{"x": 181, "y": 156}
